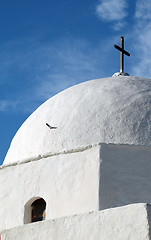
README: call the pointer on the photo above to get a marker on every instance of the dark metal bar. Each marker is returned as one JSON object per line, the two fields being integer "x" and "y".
{"x": 122, "y": 52}
{"x": 120, "y": 49}
{"x": 122, "y": 55}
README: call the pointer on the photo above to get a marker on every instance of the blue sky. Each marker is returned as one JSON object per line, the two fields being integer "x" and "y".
{"x": 49, "y": 45}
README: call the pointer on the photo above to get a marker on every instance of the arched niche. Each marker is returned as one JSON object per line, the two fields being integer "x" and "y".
{"x": 34, "y": 210}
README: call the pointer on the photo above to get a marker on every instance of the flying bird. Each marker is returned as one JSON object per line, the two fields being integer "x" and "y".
{"x": 50, "y": 126}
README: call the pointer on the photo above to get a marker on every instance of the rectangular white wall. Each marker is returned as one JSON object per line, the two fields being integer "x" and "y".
{"x": 123, "y": 223}
{"x": 125, "y": 175}
{"x": 68, "y": 182}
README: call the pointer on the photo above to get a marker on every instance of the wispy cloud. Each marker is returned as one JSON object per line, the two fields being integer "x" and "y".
{"x": 75, "y": 61}
{"x": 36, "y": 72}
{"x": 142, "y": 36}
{"x": 143, "y": 8}
{"x": 138, "y": 34}
{"x": 6, "y": 105}
{"x": 112, "y": 10}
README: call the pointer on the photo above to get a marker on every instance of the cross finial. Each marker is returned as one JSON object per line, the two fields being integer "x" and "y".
{"x": 122, "y": 52}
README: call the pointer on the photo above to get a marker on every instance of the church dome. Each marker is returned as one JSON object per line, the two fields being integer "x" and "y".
{"x": 109, "y": 110}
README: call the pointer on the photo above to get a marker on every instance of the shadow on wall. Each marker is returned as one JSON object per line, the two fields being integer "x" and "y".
{"x": 124, "y": 175}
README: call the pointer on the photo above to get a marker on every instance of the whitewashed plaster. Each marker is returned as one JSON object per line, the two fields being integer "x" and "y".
{"x": 88, "y": 179}
{"x": 69, "y": 183}
{"x": 125, "y": 175}
{"x": 130, "y": 222}
{"x": 110, "y": 110}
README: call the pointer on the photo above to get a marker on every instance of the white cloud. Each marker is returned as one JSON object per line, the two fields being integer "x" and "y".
{"x": 142, "y": 36}
{"x": 75, "y": 62}
{"x": 139, "y": 35}
{"x": 112, "y": 10}
{"x": 119, "y": 25}
{"x": 143, "y": 10}
{"x": 36, "y": 72}
{"x": 6, "y": 105}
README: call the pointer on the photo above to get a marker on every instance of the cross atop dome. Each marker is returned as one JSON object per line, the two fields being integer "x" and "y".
{"x": 122, "y": 52}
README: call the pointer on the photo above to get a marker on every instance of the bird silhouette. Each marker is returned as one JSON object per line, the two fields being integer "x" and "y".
{"x": 50, "y": 126}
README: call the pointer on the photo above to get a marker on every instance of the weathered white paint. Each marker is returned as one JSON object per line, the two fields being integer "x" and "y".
{"x": 69, "y": 183}
{"x": 124, "y": 223}
{"x": 110, "y": 110}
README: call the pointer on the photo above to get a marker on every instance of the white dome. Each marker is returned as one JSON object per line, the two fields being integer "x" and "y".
{"x": 110, "y": 110}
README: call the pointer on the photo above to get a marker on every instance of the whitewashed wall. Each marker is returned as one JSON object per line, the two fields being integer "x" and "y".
{"x": 83, "y": 180}
{"x": 123, "y": 223}
{"x": 69, "y": 183}
{"x": 125, "y": 175}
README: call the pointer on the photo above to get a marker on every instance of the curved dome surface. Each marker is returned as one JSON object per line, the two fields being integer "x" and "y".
{"x": 110, "y": 110}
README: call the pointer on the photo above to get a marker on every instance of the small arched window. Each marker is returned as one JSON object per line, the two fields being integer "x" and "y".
{"x": 35, "y": 210}
{"x": 38, "y": 210}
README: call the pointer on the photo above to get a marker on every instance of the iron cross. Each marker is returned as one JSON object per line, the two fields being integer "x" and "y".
{"x": 122, "y": 52}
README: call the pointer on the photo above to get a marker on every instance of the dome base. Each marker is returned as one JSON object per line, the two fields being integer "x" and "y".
{"x": 120, "y": 74}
